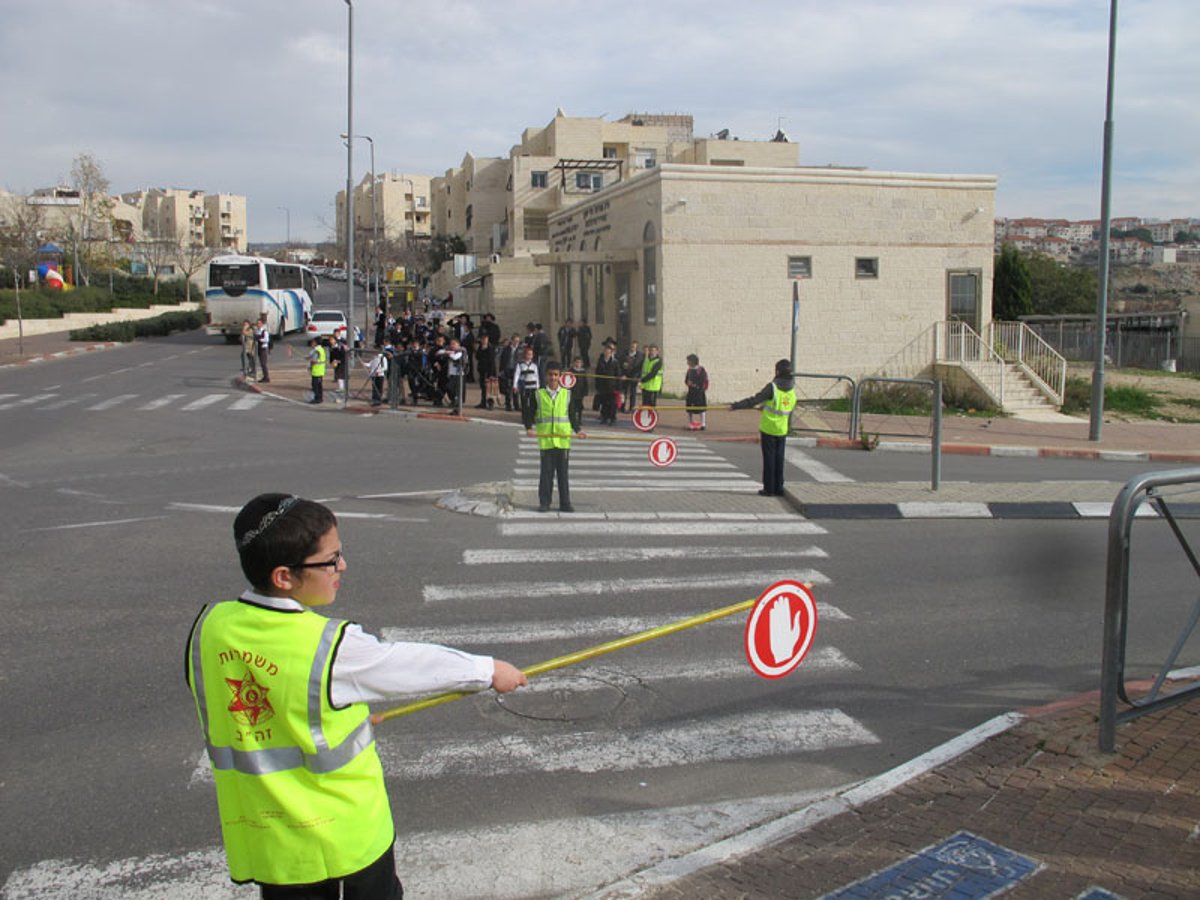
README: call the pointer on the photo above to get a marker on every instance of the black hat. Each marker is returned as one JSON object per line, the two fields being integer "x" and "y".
{"x": 783, "y": 367}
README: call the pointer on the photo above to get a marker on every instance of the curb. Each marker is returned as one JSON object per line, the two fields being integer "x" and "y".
{"x": 62, "y": 354}
{"x": 838, "y": 443}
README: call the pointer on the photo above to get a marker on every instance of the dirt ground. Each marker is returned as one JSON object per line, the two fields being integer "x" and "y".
{"x": 1178, "y": 393}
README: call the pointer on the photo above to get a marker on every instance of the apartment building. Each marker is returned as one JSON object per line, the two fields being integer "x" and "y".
{"x": 501, "y": 206}
{"x": 405, "y": 211}
{"x": 225, "y": 222}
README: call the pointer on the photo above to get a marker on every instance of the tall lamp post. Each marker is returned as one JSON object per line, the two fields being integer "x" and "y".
{"x": 374, "y": 228}
{"x": 1096, "y": 421}
{"x": 349, "y": 177}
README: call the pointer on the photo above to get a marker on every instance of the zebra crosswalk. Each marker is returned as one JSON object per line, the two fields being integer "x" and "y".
{"x": 94, "y": 402}
{"x": 621, "y": 463}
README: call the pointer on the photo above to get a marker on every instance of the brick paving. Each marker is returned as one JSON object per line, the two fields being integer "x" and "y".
{"x": 1128, "y": 822}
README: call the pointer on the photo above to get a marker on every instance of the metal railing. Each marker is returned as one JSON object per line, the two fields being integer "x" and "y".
{"x": 935, "y": 475}
{"x": 1142, "y": 489}
{"x": 836, "y": 379}
{"x": 957, "y": 342}
{"x": 1017, "y": 343}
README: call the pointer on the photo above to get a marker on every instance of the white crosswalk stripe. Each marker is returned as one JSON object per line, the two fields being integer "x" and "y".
{"x": 623, "y": 465}
{"x": 95, "y": 402}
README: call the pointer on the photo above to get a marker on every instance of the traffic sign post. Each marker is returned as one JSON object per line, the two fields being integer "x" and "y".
{"x": 645, "y": 418}
{"x": 780, "y": 629}
{"x": 663, "y": 452}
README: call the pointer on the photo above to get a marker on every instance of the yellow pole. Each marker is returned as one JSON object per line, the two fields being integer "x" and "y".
{"x": 577, "y": 657}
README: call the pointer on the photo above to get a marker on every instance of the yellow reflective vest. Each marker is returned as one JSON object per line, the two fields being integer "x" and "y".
{"x": 776, "y": 412}
{"x": 553, "y": 422}
{"x": 300, "y": 788}
{"x": 655, "y": 383}
{"x": 316, "y": 365}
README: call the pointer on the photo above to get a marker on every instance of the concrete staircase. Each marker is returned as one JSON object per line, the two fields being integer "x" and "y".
{"x": 1009, "y": 387}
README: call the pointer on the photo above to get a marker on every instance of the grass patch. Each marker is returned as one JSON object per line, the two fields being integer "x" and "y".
{"x": 1123, "y": 400}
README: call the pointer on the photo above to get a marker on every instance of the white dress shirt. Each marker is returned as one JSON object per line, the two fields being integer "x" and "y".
{"x": 367, "y": 670}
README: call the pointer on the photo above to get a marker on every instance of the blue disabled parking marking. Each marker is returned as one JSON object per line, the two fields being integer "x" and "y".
{"x": 1099, "y": 893}
{"x": 962, "y": 865}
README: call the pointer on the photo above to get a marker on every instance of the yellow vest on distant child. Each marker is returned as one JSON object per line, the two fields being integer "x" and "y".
{"x": 316, "y": 367}
{"x": 553, "y": 422}
{"x": 776, "y": 412}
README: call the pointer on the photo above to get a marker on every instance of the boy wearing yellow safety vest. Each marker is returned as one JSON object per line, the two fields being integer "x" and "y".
{"x": 317, "y": 357}
{"x": 777, "y": 399}
{"x": 553, "y": 429}
{"x": 282, "y": 693}
{"x": 652, "y": 376}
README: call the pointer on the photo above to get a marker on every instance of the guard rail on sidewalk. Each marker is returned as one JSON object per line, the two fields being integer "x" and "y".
{"x": 935, "y": 475}
{"x": 1139, "y": 490}
{"x": 836, "y": 379}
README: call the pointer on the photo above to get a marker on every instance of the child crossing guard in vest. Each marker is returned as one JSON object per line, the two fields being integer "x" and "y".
{"x": 282, "y": 694}
{"x": 777, "y": 399}
{"x": 553, "y": 429}
{"x": 652, "y": 376}
{"x": 317, "y": 357}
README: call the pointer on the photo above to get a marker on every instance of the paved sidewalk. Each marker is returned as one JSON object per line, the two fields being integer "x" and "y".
{"x": 1059, "y": 818}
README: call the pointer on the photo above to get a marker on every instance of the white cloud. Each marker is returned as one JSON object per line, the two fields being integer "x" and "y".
{"x": 250, "y": 96}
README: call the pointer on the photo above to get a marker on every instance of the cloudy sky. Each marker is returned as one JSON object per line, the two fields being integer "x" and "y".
{"x": 249, "y": 97}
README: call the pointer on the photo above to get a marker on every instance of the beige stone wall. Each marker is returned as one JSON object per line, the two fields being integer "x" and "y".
{"x": 713, "y": 152}
{"x": 724, "y": 238}
{"x": 225, "y": 226}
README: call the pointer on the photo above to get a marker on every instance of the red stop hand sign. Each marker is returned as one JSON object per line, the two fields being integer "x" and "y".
{"x": 645, "y": 418}
{"x": 780, "y": 629}
{"x": 567, "y": 380}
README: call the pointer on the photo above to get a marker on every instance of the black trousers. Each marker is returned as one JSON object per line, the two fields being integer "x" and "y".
{"x": 262, "y": 363}
{"x": 528, "y": 407}
{"x": 318, "y": 388}
{"x": 554, "y": 463}
{"x": 773, "y": 446}
{"x": 377, "y": 881}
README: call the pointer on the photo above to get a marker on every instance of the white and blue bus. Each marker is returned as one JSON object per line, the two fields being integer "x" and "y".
{"x": 238, "y": 288}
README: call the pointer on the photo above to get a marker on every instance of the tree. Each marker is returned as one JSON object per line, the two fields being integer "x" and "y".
{"x": 21, "y": 232}
{"x": 93, "y": 222}
{"x": 1059, "y": 289}
{"x": 189, "y": 258}
{"x": 158, "y": 252}
{"x": 1012, "y": 287}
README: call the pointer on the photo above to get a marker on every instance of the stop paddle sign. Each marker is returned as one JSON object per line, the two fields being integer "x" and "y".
{"x": 780, "y": 629}
{"x": 645, "y": 418}
{"x": 567, "y": 380}
{"x": 663, "y": 452}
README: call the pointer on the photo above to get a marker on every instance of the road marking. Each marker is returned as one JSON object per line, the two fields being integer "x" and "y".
{"x": 745, "y": 485}
{"x": 813, "y": 468}
{"x": 97, "y": 524}
{"x": 380, "y": 517}
{"x": 247, "y": 402}
{"x": 627, "y": 554}
{"x": 658, "y": 528}
{"x": 714, "y": 739}
{"x": 949, "y": 510}
{"x": 207, "y": 400}
{"x": 584, "y": 629}
{"x": 28, "y": 401}
{"x": 162, "y": 401}
{"x": 69, "y": 401}
{"x": 111, "y": 402}
{"x": 433, "y": 593}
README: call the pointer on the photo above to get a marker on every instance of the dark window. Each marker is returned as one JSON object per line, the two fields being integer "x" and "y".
{"x": 799, "y": 267}
{"x": 866, "y": 267}
{"x": 537, "y": 179}
{"x": 233, "y": 278}
{"x": 649, "y": 275}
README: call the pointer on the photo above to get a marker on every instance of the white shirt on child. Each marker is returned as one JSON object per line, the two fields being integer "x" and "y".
{"x": 367, "y": 670}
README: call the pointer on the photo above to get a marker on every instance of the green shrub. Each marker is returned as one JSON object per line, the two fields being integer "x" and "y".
{"x": 127, "y": 291}
{"x": 124, "y": 332}
{"x": 1077, "y": 398}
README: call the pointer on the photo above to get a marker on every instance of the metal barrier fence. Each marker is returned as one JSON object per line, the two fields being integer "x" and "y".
{"x": 836, "y": 379}
{"x": 1134, "y": 349}
{"x": 1142, "y": 489}
{"x": 935, "y": 476}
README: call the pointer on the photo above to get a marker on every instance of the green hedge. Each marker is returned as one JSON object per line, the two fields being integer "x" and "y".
{"x": 127, "y": 291}
{"x": 128, "y": 331}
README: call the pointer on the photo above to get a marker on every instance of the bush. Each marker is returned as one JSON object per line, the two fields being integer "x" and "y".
{"x": 124, "y": 332}
{"x": 1077, "y": 398}
{"x": 127, "y": 290}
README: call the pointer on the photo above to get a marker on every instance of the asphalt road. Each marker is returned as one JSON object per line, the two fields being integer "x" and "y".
{"x": 117, "y": 529}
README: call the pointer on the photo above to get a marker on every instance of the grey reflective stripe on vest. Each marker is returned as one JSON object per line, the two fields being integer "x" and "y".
{"x": 771, "y": 407}
{"x": 281, "y": 759}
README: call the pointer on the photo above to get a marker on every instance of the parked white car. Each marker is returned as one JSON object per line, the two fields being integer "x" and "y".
{"x": 326, "y": 322}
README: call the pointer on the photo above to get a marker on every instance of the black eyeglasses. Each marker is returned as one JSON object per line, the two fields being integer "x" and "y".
{"x": 328, "y": 564}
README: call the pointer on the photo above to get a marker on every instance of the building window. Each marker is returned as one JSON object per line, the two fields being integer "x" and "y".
{"x": 610, "y": 152}
{"x": 470, "y": 215}
{"x": 645, "y": 157}
{"x": 866, "y": 267}
{"x": 536, "y": 226}
{"x": 587, "y": 181}
{"x": 963, "y": 301}
{"x": 649, "y": 275}
{"x": 799, "y": 267}
{"x": 598, "y": 306}
{"x": 537, "y": 179}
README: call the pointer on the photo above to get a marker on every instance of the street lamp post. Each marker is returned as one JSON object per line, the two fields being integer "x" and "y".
{"x": 374, "y": 257}
{"x": 349, "y": 177}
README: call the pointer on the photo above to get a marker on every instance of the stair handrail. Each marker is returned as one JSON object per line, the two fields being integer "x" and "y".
{"x": 958, "y": 342}
{"x": 1016, "y": 342}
